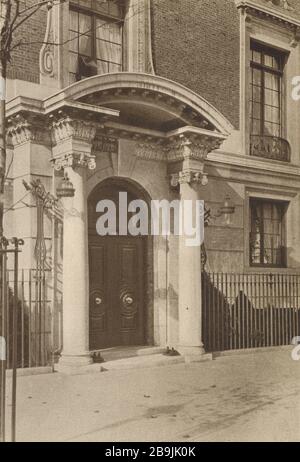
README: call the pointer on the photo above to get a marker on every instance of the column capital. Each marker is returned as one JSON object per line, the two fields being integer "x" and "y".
{"x": 192, "y": 146}
{"x": 66, "y": 127}
{"x": 74, "y": 160}
{"x": 25, "y": 127}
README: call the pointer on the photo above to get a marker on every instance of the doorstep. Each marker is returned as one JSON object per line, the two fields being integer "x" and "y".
{"x": 135, "y": 362}
{"x": 115, "y": 353}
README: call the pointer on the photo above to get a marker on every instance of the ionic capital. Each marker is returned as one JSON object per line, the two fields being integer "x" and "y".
{"x": 188, "y": 177}
{"x": 74, "y": 160}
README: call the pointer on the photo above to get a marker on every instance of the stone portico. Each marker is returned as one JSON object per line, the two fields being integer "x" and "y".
{"x": 121, "y": 130}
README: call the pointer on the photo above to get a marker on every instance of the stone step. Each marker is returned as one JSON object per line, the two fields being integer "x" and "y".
{"x": 111, "y": 354}
{"x": 140, "y": 362}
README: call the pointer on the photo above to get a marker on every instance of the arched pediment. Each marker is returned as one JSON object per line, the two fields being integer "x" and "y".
{"x": 148, "y": 101}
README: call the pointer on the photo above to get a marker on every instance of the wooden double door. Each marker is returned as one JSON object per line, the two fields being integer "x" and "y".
{"x": 116, "y": 267}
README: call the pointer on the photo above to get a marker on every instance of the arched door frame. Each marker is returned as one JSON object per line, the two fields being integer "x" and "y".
{"x": 131, "y": 186}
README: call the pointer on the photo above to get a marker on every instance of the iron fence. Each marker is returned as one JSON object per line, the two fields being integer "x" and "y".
{"x": 249, "y": 310}
{"x": 34, "y": 336}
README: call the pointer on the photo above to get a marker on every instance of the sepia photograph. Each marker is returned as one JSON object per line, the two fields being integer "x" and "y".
{"x": 149, "y": 224}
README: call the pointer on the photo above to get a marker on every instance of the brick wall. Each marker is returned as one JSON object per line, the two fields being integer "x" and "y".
{"x": 196, "y": 43}
{"x": 25, "y": 59}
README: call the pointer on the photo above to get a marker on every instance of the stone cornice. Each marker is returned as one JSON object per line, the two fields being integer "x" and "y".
{"x": 269, "y": 11}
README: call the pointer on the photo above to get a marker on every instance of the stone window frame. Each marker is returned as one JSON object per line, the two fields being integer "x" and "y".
{"x": 275, "y": 36}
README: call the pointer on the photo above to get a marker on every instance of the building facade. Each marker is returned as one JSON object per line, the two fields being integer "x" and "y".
{"x": 164, "y": 100}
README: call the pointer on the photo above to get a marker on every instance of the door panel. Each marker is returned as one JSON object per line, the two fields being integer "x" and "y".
{"x": 130, "y": 291}
{"x": 99, "y": 301}
{"x": 116, "y": 291}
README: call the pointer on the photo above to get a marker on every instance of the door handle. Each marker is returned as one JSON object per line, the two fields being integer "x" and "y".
{"x": 128, "y": 300}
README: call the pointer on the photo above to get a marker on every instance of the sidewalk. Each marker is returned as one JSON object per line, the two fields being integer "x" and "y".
{"x": 249, "y": 397}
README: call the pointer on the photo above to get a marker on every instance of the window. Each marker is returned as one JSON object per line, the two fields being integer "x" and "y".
{"x": 95, "y": 45}
{"x": 266, "y": 103}
{"x": 267, "y": 233}
{"x": 266, "y": 91}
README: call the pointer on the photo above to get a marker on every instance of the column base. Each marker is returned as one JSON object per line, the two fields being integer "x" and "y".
{"x": 194, "y": 354}
{"x": 69, "y": 364}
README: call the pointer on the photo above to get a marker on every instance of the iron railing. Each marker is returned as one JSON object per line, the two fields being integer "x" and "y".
{"x": 270, "y": 147}
{"x": 249, "y": 310}
{"x": 34, "y": 337}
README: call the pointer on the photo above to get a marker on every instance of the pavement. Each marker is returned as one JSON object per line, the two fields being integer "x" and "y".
{"x": 241, "y": 397}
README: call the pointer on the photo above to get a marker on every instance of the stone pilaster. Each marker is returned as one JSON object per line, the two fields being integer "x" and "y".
{"x": 30, "y": 148}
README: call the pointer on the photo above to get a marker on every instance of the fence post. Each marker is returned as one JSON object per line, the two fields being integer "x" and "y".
{"x": 3, "y": 336}
{"x": 16, "y": 242}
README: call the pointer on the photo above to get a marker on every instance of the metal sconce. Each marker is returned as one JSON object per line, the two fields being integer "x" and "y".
{"x": 226, "y": 210}
{"x": 65, "y": 188}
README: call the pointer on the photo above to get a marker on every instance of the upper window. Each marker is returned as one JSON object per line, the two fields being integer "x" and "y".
{"x": 267, "y": 233}
{"x": 266, "y": 102}
{"x": 95, "y": 43}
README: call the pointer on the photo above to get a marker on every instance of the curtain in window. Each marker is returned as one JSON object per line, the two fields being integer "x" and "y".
{"x": 256, "y": 236}
{"x": 85, "y": 35}
{"x": 266, "y": 233}
{"x": 108, "y": 46}
{"x": 272, "y": 104}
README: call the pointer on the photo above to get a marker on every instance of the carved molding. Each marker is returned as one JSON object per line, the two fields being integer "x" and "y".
{"x": 47, "y": 50}
{"x": 194, "y": 147}
{"x": 105, "y": 144}
{"x": 281, "y": 3}
{"x": 278, "y": 11}
{"x": 68, "y": 127}
{"x": 74, "y": 160}
{"x": 151, "y": 151}
{"x": 138, "y": 25}
{"x": 22, "y": 129}
{"x": 188, "y": 177}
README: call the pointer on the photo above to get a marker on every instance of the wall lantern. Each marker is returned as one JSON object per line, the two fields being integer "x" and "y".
{"x": 226, "y": 210}
{"x": 66, "y": 191}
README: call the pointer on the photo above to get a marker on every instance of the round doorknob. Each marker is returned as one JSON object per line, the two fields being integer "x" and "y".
{"x": 98, "y": 301}
{"x": 128, "y": 300}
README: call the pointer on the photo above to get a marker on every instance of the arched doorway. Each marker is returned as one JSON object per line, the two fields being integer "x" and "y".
{"x": 118, "y": 275}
